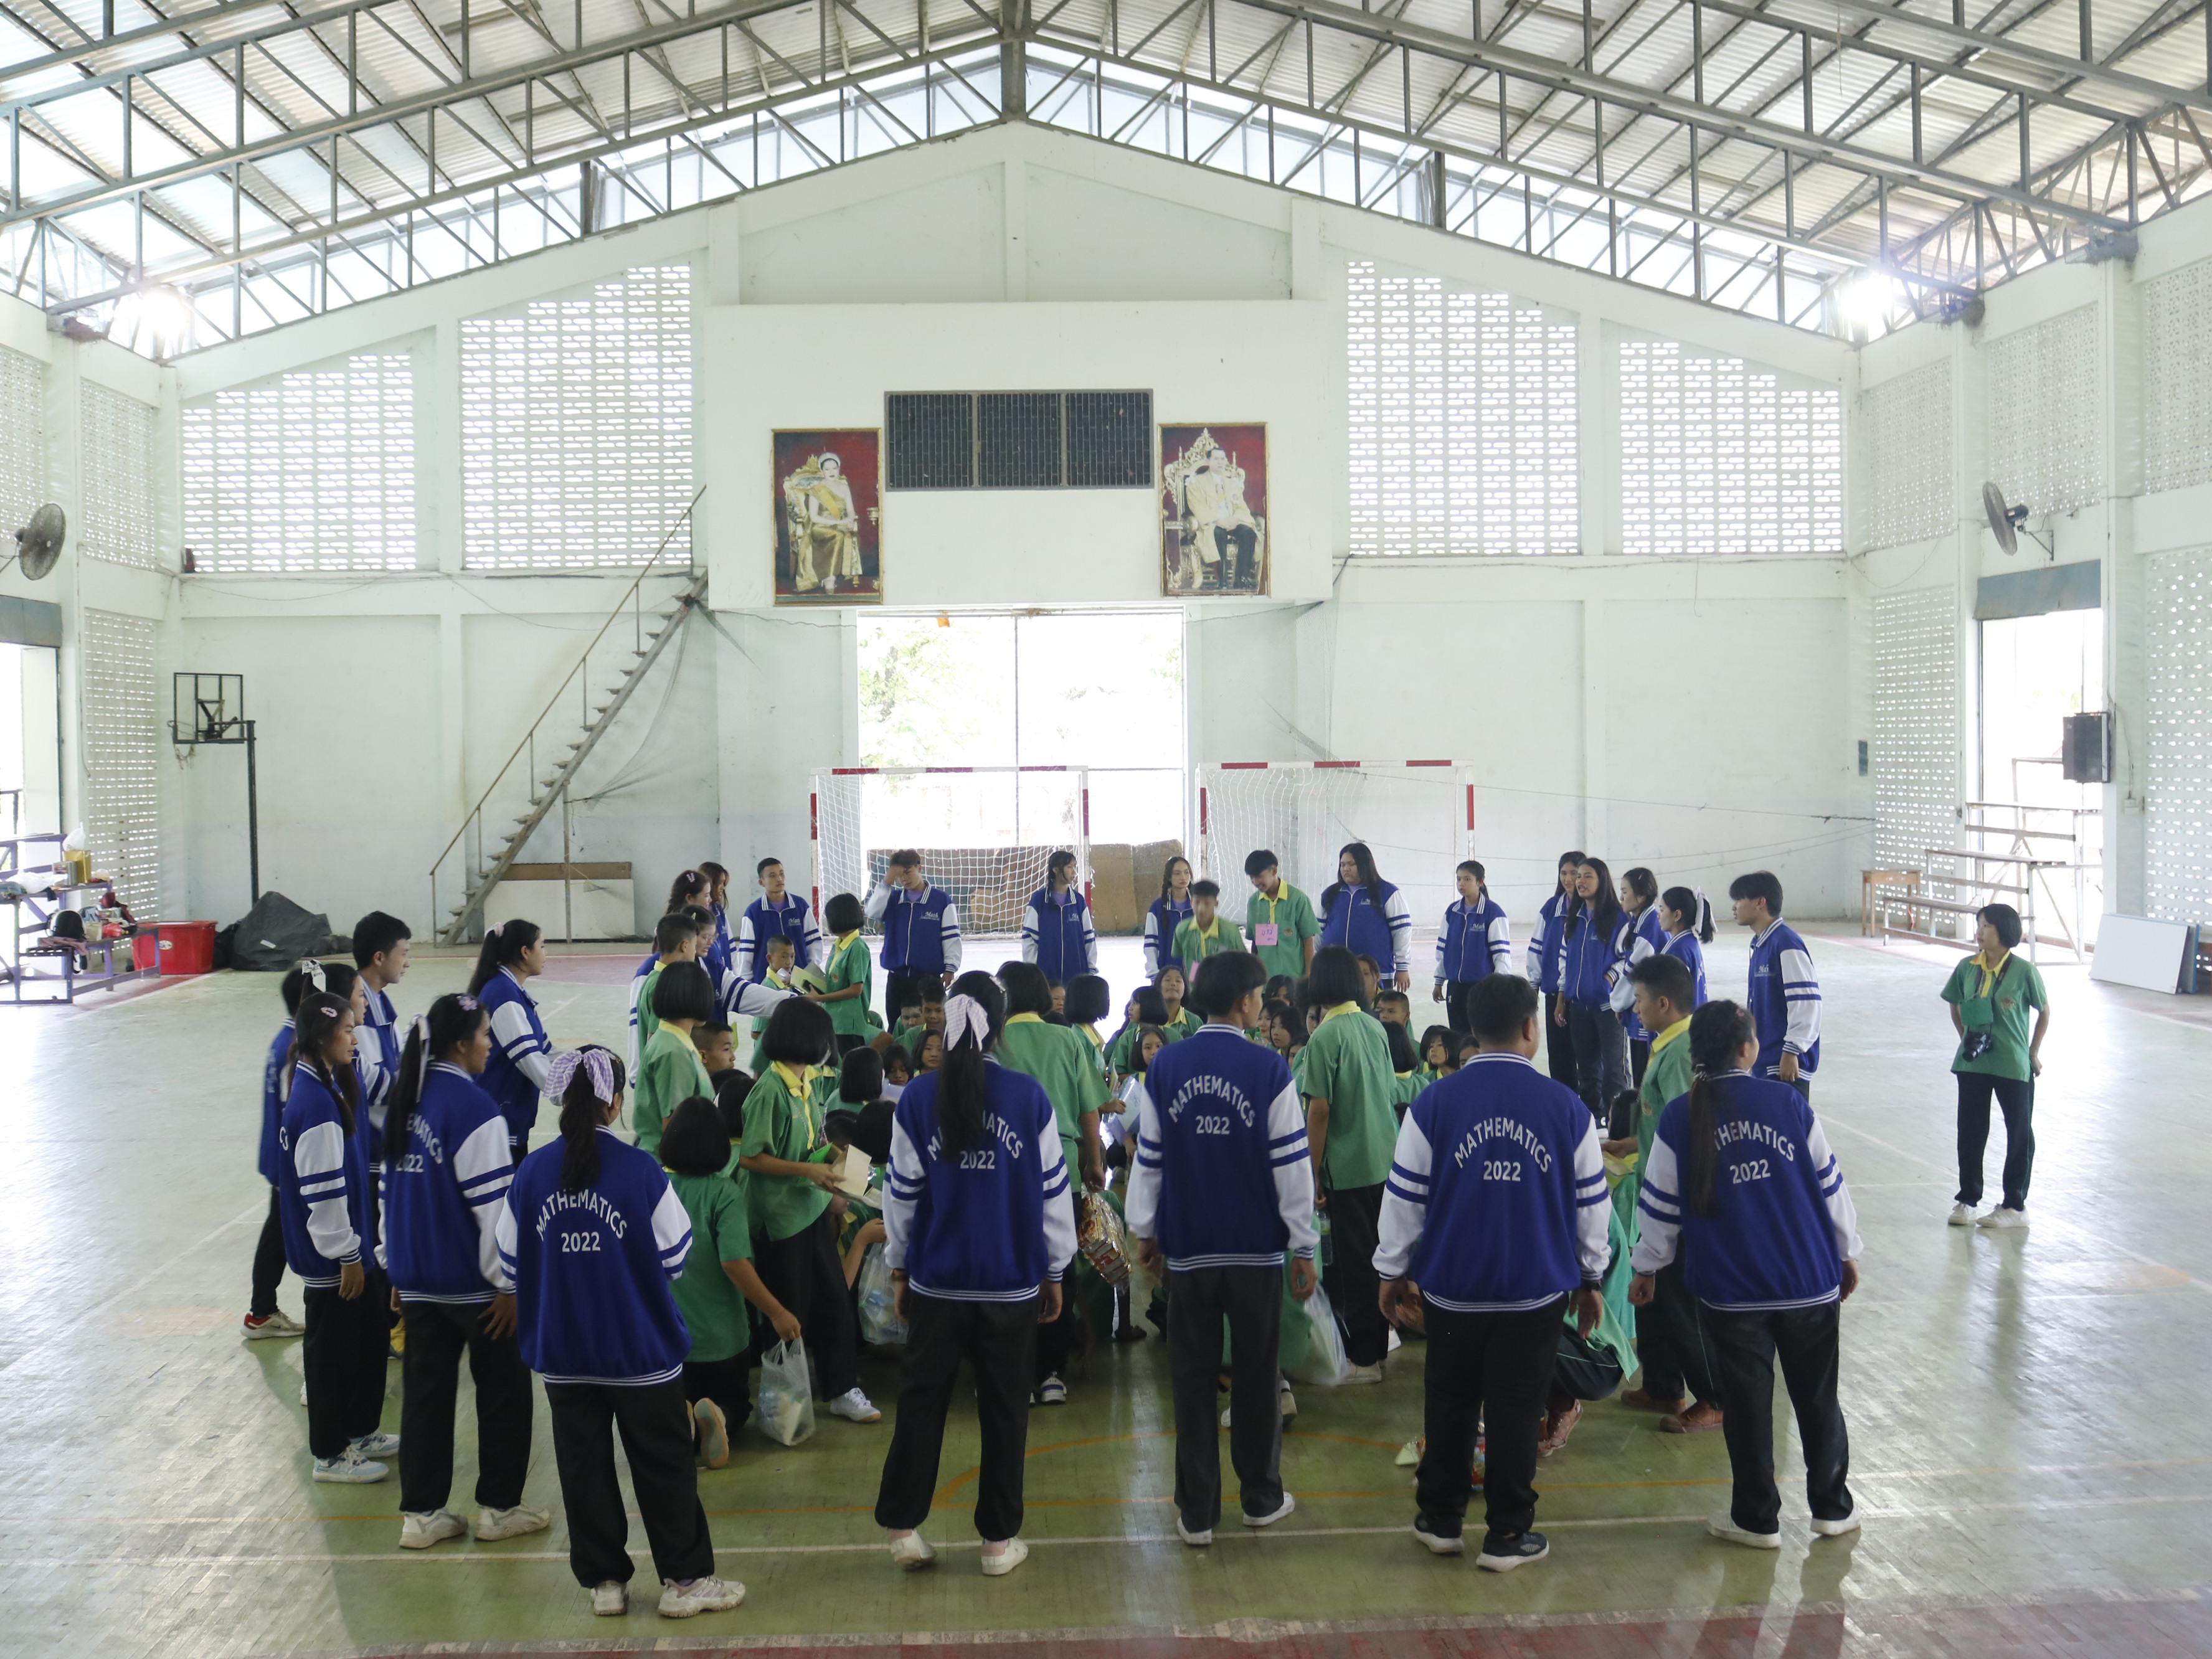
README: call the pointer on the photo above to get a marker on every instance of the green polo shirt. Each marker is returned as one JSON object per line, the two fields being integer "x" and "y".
{"x": 1346, "y": 1062}
{"x": 1194, "y": 944}
{"x": 1666, "y": 1078}
{"x": 641, "y": 1004}
{"x": 669, "y": 1074}
{"x": 1183, "y": 1024}
{"x": 850, "y": 964}
{"x": 1291, "y": 917}
{"x": 779, "y": 1121}
{"x": 712, "y": 1308}
{"x": 1059, "y": 1058}
{"x": 2000, "y": 1003}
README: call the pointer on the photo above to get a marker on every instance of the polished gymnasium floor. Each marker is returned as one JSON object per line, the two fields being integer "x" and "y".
{"x": 2026, "y": 1411}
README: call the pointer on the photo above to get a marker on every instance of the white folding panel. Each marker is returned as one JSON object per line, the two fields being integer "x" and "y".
{"x": 1902, "y": 443}
{"x": 23, "y": 481}
{"x": 122, "y": 752}
{"x": 2177, "y": 378}
{"x": 576, "y": 426}
{"x": 116, "y": 440}
{"x": 2177, "y": 736}
{"x": 313, "y": 472}
{"x": 2043, "y": 421}
{"x": 1463, "y": 431}
{"x": 1717, "y": 456}
{"x": 1915, "y": 760}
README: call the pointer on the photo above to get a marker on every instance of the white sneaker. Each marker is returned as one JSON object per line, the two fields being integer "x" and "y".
{"x": 1283, "y": 1509}
{"x": 277, "y": 1324}
{"x": 1289, "y": 1402}
{"x": 1052, "y": 1391}
{"x": 1850, "y": 1524}
{"x": 854, "y": 1408}
{"x": 419, "y": 1532}
{"x": 349, "y": 1470}
{"x": 912, "y": 1551}
{"x": 1724, "y": 1526}
{"x": 1962, "y": 1215}
{"x": 713, "y": 1430}
{"x": 2004, "y": 1217}
{"x": 379, "y": 1444}
{"x": 1197, "y": 1541}
{"x": 708, "y": 1595}
{"x": 998, "y": 1566}
{"x": 303, "y": 1393}
{"x": 1363, "y": 1373}
{"x": 610, "y": 1600}
{"x": 492, "y": 1525}
{"x": 1436, "y": 1545}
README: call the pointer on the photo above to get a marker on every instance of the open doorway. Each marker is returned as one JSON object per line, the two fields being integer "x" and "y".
{"x": 30, "y": 742}
{"x": 2035, "y": 672}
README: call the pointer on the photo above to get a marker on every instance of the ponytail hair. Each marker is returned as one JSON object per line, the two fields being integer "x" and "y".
{"x": 1717, "y": 1033}
{"x": 451, "y": 1021}
{"x": 1689, "y": 902}
{"x": 503, "y": 945}
{"x": 585, "y": 1081}
{"x": 974, "y": 1014}
{"x": 689, "y": 887}
{"x": 1645, "y": 885}
{"x": 319, "y": 1015}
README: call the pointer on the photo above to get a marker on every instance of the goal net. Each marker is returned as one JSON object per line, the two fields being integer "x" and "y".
{"x": 1418, "y": 815}
{"x": 984, "y": 833}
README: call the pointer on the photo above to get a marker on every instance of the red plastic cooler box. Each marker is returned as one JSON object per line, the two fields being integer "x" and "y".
{"x": 186, "y": 947}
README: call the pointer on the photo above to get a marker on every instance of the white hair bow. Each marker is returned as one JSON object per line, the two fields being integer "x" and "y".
{"x": 596, "y": 1065}
{"x": 964, "y": 1015}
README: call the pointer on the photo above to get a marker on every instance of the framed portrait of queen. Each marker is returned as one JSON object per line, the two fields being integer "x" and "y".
{"x": 829, "y": 517}
{"x": 1213, "y": 509}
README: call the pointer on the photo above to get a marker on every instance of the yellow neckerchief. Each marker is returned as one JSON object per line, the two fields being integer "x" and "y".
{"x": 1340, "y": 1008}
{"x": 1990, "y": 970}
{"x": 797, "y": 1079}
{"x": 844, "y": 939}
{"x": 1668, "y": 1036}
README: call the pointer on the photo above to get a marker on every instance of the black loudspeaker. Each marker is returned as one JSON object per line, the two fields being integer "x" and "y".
{"x": 2088, "y": 751}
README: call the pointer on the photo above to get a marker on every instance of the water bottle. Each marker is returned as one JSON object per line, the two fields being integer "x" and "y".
{"x": 1327, "y": 1251}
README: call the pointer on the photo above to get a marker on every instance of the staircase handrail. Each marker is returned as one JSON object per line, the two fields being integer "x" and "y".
{"x": 530, "y": 731}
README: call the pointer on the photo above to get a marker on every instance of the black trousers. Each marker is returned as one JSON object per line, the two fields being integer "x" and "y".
{"x": 438, "y": 1334}
{"x": 1600, "y": 1044}
{"x": 1639, "y": 1056}
{"x": 656, "y": 1441}
{"x": 998, "y": 1339}
{"x": 726, "y": 1382}
{"x": 1246, "y": 542}
{"x": 1496, "y": 1368}
{"x": 343, "y": 1354}
{"x": 900, "y": 983}
{"x": 1355, "y": 1223}
{"x": 1457, "y": 992}
{"x": 805, "y": 1274}
{"x": 1251, "y": 1300}
{"x": 2015, "y": 1098}
{"x": 268, "y": 1264}
{"x": 1676, "y": 1365}
{"x": 1056, "y": 1343}
{"x": 1558, "y": 1047}
{"x": 1745, "y": 1348}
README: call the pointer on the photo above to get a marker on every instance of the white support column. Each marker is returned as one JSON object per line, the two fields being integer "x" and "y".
{"x": 1594, "y": 780}
{"x": 2126, "y": 686}
{"x": 441, "y": 522}
{"x": 1598, "y": 436}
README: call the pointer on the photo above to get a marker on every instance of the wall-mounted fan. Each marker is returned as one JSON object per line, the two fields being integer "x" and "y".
{"x": 2007, "y": 522}
{"x": 39, "y": 543}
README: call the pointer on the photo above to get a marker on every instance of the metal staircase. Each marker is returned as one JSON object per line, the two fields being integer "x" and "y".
{"x": 466, "y": 860}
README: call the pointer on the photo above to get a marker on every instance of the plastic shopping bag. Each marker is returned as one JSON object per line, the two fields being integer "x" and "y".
{"x": 880, "y": 1325}
{"x": 1324, "y": 1364}
{"x": 786, "y": 1395}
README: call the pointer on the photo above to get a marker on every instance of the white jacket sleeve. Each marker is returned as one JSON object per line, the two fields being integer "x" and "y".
{"x": 1059, "y": 1213}
{"x": 1405, "y": 1201}
{"x": 1141, "y": 1207}
{"x": 484, "y": 1167}
{"x": 1154, "y": 945}
{"x": 1622, "y": 997}
{"x": 1658, "y": 1211}
{"x": 1032, "y": 925}
{"x": 319, "y": 1160}
{"x": 1843, "y": 1214}
{"x": 1090, "y": 943}
{"x": 752, "y": 1002}
{"x": 1800, "y": 997}
{"x": 809, "y": 951}
{"x": 506, "y": 1233}
{"x": 1443, "y": 932}
{"x": 528, "y": 1052}
{"x": 878, "y": 902}
{"x": 1401, "y": 931}
{"x": 904, "y": 1177}
{"x": 748, "y": 951}
{"x": 1593, "y": 1207}
{"x": 671, "y": 1230}
{"x": 1501, "y": 945}
{"x": 1292, "y": 1158}
{"x": 952, "y": 936}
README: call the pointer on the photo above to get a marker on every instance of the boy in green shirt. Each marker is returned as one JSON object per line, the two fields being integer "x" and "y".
{"x": 1345, "y": 1077}
{"x": 1207, "y": 934}
{"x": 1279, "y": 919}
{"x": 675, "y": 938}
{"x": 718, "y": 1278}
{"x": 1990, "y": 994}
{"x": 782, "y": 955}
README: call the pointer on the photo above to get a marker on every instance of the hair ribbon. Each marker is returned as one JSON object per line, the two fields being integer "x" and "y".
{"x": 592, "y": 1062}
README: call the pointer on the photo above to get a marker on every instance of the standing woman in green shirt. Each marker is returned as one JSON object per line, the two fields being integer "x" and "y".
{"x": 1059, "y": 1058}
{"x": 1990, "y": 994}
{"x": 788, "y": 1166}
{"x": 1344, "y": 1076}
{"x": 851, "y": 972}
{"x": 669, "y": 1072}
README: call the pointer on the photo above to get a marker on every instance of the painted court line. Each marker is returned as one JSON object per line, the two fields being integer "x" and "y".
{"x": 1600, "y": 1523}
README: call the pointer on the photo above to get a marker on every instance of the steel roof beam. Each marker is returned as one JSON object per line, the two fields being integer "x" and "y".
{"x": 2058, "y": 63}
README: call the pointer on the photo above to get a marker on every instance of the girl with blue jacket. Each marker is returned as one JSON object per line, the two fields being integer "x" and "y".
{"x": 1367, "y": 915}
{"x": 1167, "y": 913}
{"x": 1590, "y": 949}
{"x": 513, "y": 954}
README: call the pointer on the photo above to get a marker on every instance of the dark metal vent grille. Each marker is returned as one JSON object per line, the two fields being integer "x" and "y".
{"x": 1019, "y": 439}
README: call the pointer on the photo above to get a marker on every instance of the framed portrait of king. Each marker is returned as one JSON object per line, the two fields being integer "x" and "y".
{"x": 1213, "y": 509}
{"x": 829, "y": 517}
